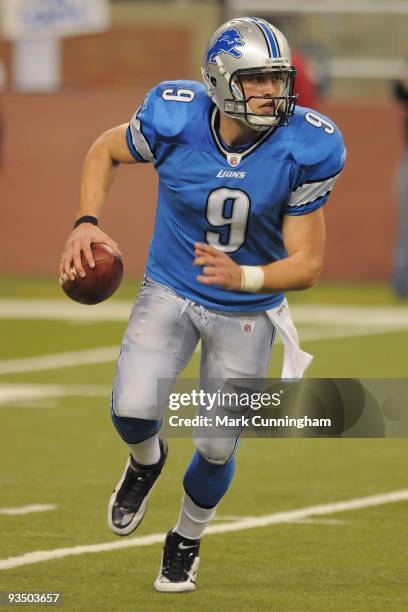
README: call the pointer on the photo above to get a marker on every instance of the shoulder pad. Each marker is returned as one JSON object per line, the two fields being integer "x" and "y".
{"x": 317, "y": 142}
{"x": 176, "y": 106}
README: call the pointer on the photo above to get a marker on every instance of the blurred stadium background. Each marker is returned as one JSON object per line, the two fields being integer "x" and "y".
{"x": 97, "y": 80}
{"x": 57, "y": 361}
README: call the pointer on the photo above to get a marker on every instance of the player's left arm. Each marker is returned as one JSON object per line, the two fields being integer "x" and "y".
{"x": 304, "y": 238}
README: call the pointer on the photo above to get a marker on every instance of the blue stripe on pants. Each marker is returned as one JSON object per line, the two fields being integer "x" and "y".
{"x": 206, "y": 483}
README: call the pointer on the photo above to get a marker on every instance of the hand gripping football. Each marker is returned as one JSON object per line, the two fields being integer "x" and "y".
{"x": 100, "y": 282}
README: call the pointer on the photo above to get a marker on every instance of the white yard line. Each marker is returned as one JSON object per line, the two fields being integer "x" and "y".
{"x": 319, "y": 322}
{"x": 106, "y": 354}
{"x": 319, "y": 522}
{"x": 230, "y": 517}
{"x": 59, "y": 360}
{"x": 246, "y": 523}
{"x": 28, "y": 509}
{"x": 311, "y": 521}
{"x": 65, "y": 310}
{"x": 393, "y": 317}
{"x": 10, "y": 393}
{"x": 337, "y": 333}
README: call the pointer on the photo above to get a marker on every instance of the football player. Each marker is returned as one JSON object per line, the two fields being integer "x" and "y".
{"x": 400, "y": 276}
{"x": 243, "y": 177}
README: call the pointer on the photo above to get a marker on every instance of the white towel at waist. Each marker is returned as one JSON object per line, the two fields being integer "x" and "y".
{"x": 295, "y": 361}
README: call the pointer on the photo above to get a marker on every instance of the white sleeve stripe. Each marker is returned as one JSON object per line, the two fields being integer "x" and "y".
{"x": 311, "y": 191}
{"x": 139, "y": 141}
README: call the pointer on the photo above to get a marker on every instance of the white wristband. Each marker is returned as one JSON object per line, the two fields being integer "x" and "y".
{"x": 252, "y": 278}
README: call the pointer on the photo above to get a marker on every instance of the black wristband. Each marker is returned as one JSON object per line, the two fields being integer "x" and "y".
{"x": 86, "y": 219}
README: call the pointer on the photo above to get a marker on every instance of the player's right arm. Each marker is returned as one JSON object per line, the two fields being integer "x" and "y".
{"x": 98, "y": 173}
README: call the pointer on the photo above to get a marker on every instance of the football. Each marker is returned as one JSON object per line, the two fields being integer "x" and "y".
{"x": 100, "y": 282}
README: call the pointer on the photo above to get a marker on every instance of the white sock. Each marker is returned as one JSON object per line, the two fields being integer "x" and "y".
{"x": 146, "y": 452}
{"x": 193, "y": 519}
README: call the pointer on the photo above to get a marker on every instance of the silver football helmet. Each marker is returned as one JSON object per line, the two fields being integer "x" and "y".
{"x": 245, "y": 47}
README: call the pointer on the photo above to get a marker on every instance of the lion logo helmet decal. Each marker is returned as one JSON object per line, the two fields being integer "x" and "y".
{"x": 226, "y": 43}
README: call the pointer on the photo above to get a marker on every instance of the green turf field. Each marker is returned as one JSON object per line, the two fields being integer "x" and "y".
{"x": 59, "y": 448}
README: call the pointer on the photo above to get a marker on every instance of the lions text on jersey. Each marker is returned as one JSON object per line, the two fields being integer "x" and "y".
{"x": 235, "y": 199}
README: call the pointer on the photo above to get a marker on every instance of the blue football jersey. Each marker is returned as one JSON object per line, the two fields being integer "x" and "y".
{"x": 232, "y": 199}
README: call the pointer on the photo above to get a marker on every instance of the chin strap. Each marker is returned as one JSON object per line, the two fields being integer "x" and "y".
{"x": 256, "y": 122}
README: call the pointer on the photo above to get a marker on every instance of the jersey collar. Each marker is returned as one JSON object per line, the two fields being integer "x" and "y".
{"x": 233, "y": 156}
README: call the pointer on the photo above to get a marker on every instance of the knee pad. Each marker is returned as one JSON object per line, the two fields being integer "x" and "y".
{"x": 216, "y": 451}
{"x": 134, "y": 431}
{"x": 207, "y": 483}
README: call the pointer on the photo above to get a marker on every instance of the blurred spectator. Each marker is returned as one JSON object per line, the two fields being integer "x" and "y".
{"x": 400, "y": 280}
{"x": 306, "y": 86}
{"x": 3, "y": 81}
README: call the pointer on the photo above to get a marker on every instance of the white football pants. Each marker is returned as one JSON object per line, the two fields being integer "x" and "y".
{"x": 162, "y": 334}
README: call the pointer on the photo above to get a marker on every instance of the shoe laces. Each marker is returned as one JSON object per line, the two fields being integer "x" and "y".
{"x": 177, "y": 563}
{"x": 134, "y": 487}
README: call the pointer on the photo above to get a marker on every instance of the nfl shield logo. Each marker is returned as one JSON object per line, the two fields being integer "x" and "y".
{"x": 233, "y": 159}
{"x": 247, "y": 326}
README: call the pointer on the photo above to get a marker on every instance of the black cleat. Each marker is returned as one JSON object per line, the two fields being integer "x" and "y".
{"x": 179, "y": 566}
{"x": 128, "y": 501}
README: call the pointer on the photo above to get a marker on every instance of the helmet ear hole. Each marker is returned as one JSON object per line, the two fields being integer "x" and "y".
{"x": 213, "y": 81}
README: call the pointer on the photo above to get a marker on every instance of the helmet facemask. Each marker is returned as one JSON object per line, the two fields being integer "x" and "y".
{"x": 279, "y": 106}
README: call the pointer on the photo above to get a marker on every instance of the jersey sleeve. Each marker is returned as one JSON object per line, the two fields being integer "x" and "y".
{"x": 317, "y": 176}
{"x": 141, "y": 133}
